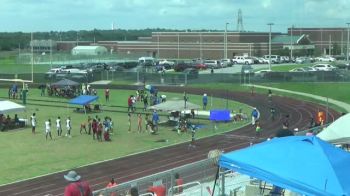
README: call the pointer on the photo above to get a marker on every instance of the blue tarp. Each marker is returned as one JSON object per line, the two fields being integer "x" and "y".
{"x": 83, "y": 100}
{"x": 220, "y": 115}
{"x": 303, "y": 164}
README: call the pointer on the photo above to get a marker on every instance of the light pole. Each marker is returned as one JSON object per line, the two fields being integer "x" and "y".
{"x": 347, "y": 44}
{"x": 291, "y": 43}
{"x": 270, "y": 24}
{"x": 225, "y": 41}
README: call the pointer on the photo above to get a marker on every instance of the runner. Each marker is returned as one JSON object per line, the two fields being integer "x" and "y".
{"x": 69, "y": 127}
{"x": 59, "y": 126}
{"x": 33, "y": 121}
{"x": 48, "y": 128}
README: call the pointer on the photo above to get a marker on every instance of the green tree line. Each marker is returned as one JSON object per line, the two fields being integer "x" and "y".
{"x": 13, "y": 40}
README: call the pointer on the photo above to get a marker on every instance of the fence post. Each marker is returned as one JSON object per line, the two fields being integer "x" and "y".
{"x": 223, "y": 184}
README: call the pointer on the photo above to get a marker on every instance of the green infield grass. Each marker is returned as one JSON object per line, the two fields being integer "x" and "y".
{"x": 25, "y": 155}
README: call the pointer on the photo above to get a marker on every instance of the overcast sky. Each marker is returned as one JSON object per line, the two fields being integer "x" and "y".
{"x": 63, "y": 15}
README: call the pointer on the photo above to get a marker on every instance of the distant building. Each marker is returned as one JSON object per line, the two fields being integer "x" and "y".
{"x": 43, "y": 46}
{"x": 326, "y": 40}
{"x": 89, "y": 50}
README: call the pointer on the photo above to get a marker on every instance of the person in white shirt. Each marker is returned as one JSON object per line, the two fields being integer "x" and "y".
{"x": 69, "y": 126}
{"x": 48, "y": 128}
{"x": 59, "y": 126}
{"x": 33, "y": 122}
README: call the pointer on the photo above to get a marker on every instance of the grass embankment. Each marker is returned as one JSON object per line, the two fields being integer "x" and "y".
{"x": 24, "y": 155}
{"x": 337, "y": 91}
{"x": 9, "y": 65}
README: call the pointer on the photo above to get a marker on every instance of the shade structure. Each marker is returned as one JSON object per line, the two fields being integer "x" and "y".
{"x": 303, "y": 164}
{"x": 338, "y": 132}
{"x": 65, "y": 82}
{"x": 83, "y": 100}
{"x": 178, "y": 105}
{"x": 9, "y": 106}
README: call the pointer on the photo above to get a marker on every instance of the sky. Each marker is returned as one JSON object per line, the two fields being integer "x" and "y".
{"x": 64, "y": 15}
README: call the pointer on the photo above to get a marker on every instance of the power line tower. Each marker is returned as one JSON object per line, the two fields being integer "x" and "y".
{"x": 240, "y": 21}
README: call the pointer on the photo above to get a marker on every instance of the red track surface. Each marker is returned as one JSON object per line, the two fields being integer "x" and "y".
{"x": 136, "y": 166}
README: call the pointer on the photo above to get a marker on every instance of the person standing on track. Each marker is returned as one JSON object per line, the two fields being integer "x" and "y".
{"x": 48, "y": 129}
{"x": 269, "y": 95}
{"x": 257, "y": 129}
{"x": 59, "y": 126}
{"x": 33, "y": 121}
{"x": 255, "y": 116}
{"x": 76, "y": 187}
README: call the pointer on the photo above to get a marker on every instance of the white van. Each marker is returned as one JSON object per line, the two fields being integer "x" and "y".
{"x": 274, "y": 58}
{"x": 242, "y": 60}
{"x": 147, "y": 61}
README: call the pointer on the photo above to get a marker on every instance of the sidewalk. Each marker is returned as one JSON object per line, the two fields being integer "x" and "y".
{"x": 317, "y": 97}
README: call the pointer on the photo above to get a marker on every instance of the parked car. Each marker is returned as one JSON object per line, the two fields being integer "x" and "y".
{"x": 324, "y": 67}
{"x": 212, "y": 64}
{"x": 181, "y": 66}
{"x": 242, "y": 60}
{"x": 165, "y": 63}
{"x": 302, "y": 60}
{"x": 147, "y": 61}
{"x": 274, "y": 58}
{"x": 263, "y": 61}
{"x": 303, "y": 69}
{"x": 200, "y": 66}
{"x": 325, "y": 59}
{"x": 261, "y": 73}
{"x": 226, "y": 63}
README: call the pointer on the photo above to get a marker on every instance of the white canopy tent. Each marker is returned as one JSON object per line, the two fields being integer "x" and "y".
{"x": 9, "y": 106}
{"x": 338, "y": 132}
{"x": 176, "y": 105}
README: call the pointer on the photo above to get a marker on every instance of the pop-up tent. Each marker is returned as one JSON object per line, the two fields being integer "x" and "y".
{"x": 176, "y": 105}
{"x": 9, "y": 106}
{"x": 83, "y": 100}
{"x": 65, "y": 82}
{"x": 303, "y": 164}
{"x": 338, "y": 132}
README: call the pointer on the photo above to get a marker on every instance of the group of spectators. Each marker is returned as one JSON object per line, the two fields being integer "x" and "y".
{"x": 79, "y": 187}
{"x": 8, "y": 123}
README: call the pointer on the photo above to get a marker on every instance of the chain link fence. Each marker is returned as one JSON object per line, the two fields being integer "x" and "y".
{"x": 175, "y": 78}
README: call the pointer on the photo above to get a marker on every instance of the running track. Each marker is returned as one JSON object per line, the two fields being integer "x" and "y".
{"x": 136, "y": 166}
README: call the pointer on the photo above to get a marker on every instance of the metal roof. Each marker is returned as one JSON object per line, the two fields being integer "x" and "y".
{"x": 287, "y": 39}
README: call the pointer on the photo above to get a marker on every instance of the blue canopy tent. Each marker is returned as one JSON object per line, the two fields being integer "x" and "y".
{"x": 83, "y": 100}
{"x": 303, "y": 164}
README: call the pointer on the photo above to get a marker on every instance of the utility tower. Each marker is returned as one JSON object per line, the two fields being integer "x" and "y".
{"x": 240, "y": 21}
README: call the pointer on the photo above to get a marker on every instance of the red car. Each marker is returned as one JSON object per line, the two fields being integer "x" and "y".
{"x": 200, "y": 66}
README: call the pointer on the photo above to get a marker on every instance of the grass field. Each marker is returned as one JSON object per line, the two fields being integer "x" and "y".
{"x": 25, "y": 155}
{"x": 338, "y": 91}
{"x": 9, "y": 65}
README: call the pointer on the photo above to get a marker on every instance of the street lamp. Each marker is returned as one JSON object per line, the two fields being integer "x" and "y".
{"x": 291, "y": 43}
{"x": 270, "y": 24}
{"x": 347, "y": 44}
{"x": 225, "y": 41}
